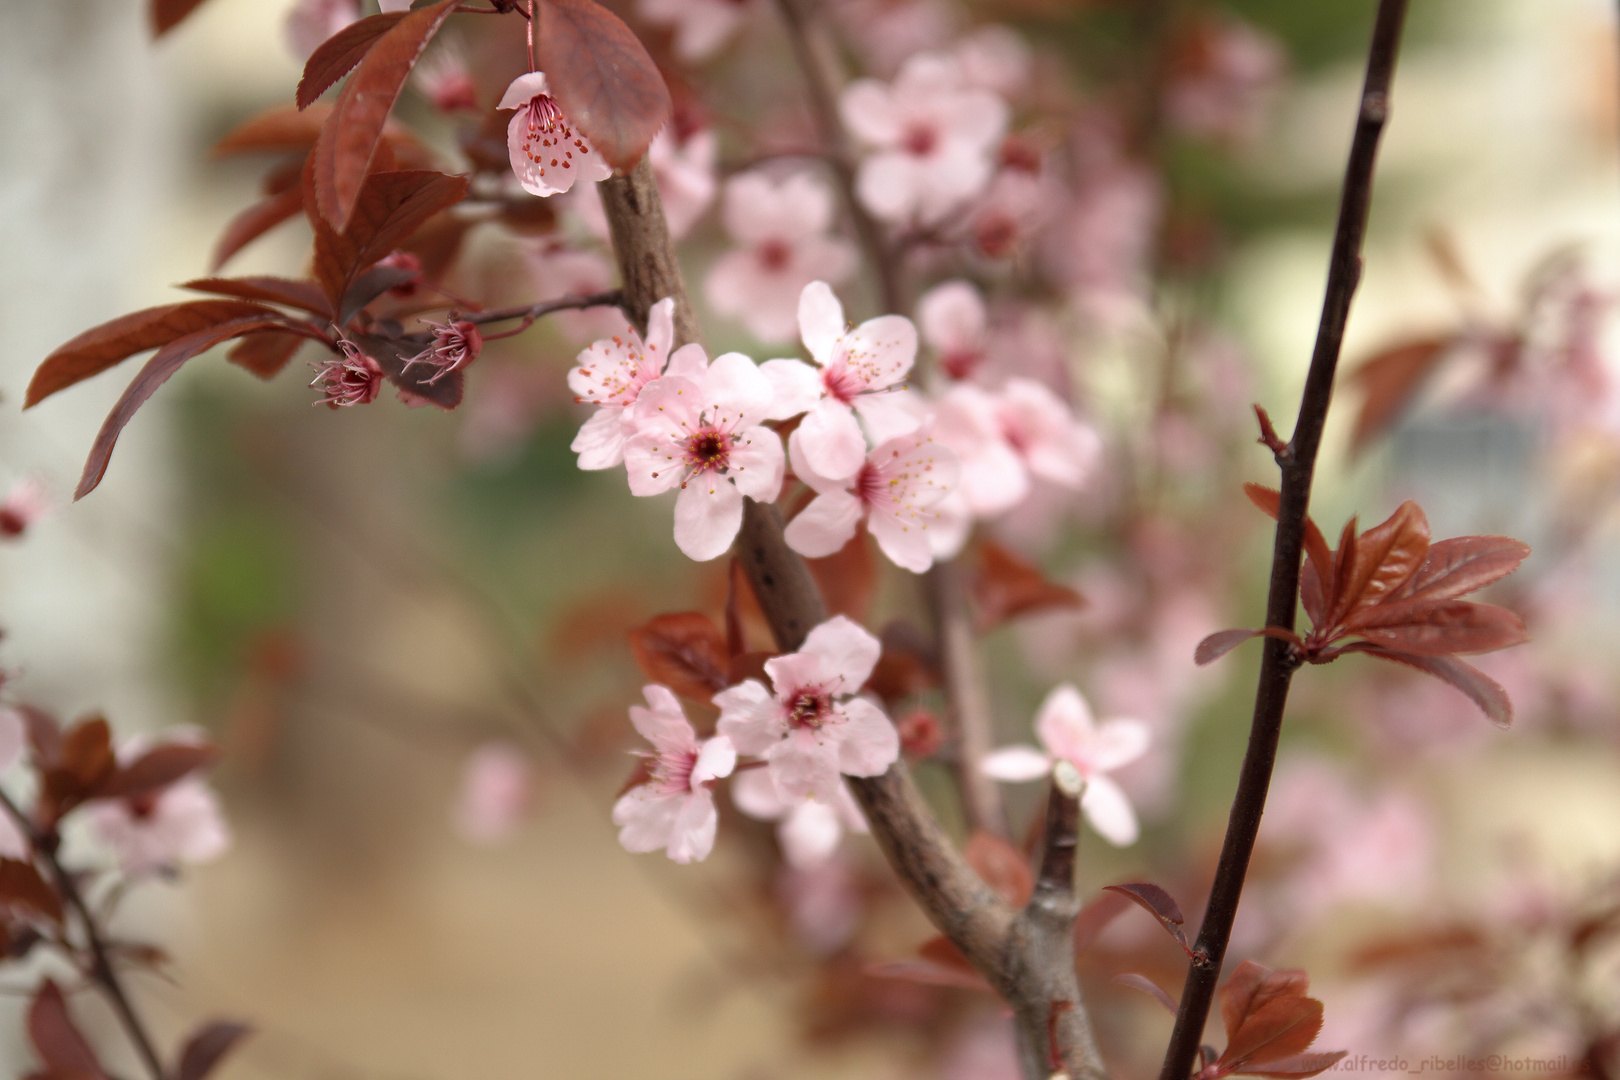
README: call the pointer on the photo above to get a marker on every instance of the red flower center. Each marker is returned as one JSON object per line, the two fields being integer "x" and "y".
{"x": 920, "y": 140}
{"x": 809, "y": 708}
{"x": 708, "y": 451}
{"x": 774, "y": 255}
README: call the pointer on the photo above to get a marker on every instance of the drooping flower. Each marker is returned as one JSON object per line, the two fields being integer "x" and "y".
{"x": 810, "y": 726}
{"x": 1067, "y": 731}
{"x": 700, "y": 431}
{"x": 933, "y": 136}
{"x": 181, "y": 823}
{"x": 610, "y": 375}
{"x": 23, "y": 505}
{"x": 311, "y": 22}
{"x": 455, "y": 345}
{"x": 894, "y": 491}
{"x": 347, "y": 378}
{"x": 547, "y": 154}
{"x": 955, "y": 324}
{"x": 857, "y": 368}
{"x": 1004, "y": 438}
{"x": 673, "y": 808}
{"x": 702, "y": 27}
{"x": 808, "y": 829}
{"x": 497, "y": 790}
{"x": 782, "y": 228}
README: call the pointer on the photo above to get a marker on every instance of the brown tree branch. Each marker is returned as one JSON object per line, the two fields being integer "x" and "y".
{"x": 1298, "y": 464}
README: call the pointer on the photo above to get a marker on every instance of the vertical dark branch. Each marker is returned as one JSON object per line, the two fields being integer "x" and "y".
{"x": 1298, "y": 464}
{"x": 641, "y": 244}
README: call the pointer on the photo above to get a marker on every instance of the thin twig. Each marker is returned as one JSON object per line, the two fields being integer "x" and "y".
{"x": 101, "y": 966}
{"x": 1298, "y": 464}
{"x": 530, "y": 312}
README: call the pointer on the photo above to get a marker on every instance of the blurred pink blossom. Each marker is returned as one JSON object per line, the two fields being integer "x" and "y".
{"x": 888, "y": 32}
{"x": 674, "y": 808}
{"x": 702, "y": 27}
{"x": 1006, "y": 437}
{"x": 310, "y": 22}
{"x": 1225, "y": 77}
{"x": 685, "y": 171}
{"x": 497, "y": 792}
{"x": 808, "y": 829}
{"x": 558, "y": 269}
{"x": 443, "y": 78}
{"x": 984, "y": 1049}
{"x": 955, "y": 324}
{"x": 995, "y": 58}
{"x": 24, "y": 504}
{"x": 181, "y": 823}
{"x": 823, "y": 901}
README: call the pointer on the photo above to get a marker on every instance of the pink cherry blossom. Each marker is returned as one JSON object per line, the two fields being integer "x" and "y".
{"x": 956, "y": 326}
{"x": 782, "y": 229}
{"x": 933, "y": 134}
{"x": 311, "y": 22}
{"x": 13, "y": 844}
{"x": 808, "y": 829}
{"x": 349, "y": 377}
{"x": 894, "y": 492}
{"x": 548, "y": 156}
{"x": 497, "y": 791}
{"x": 1101, "y": 245}
{"x": 610, "y": 375}
{"x": 182, "y": 823}
{"x": 1067, "y": 732}
{"x": 1005, "y": 438}
{"x": 702, "y": 27}
{"x": 810, "y": 727}
{"x": 674, "y": 808}
{"x": 23, "y": 505}
{"x": 700, "y": 431}
{"x": 888, "y": 32}
{"x": 858, "y": 369}
{"x": 995, "y": 58}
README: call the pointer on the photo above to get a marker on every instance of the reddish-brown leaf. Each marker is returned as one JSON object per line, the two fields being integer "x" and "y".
{"x": 23, "y": 889}
{"x": 369, "y": 285}
{"x": 1220, "y": 643}
{"x": 338, "y": 55}
{"x": 931, "y": 972}
{"x": 685, "y": 651}
{"x": 847, "y": 578}
{"x": 1384, "y": 558}
{"x": 1431, "y": 628}
{"x": 164, "y": 363}
{"x": 390, "y": 207}
{"x": 167, "y": 14}
{"x": 56, "y": 1039}
{"x": 304, "y": 295}
{"x": 348, "y": 141}
{"x": 277, "y": 129}
{"x": 254, "y": 222}
{"x": 1160, "y": 904}
{"x": 1001, "y": 866}
{"x": 1251, "y": 986}
{"x": 157, "y": 769}
{"x": 87, "y": 757}
{"x": 1269, "y": 500}
{"x": 603, "y": 78}
{"x": 1492, "y": 700}
{"x": 1007, "y": 587}
{"x": 266, "y": 353}
{"x": 1147, "y": 986}
{"x": 94, "y": 351}
{"x": 1462, "y": 564}
{"x": 205, "y": 1049}
{"x": 1388, "y": 382}
{"x": 1296, "y": 1067}
{"x": 1283, "y": 1026}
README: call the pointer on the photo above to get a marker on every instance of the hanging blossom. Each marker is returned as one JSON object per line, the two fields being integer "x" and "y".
{"x": 455, "y": 345}
{"x": 810, "y": 726}
{"x": 894, "y": 492}
{"x": 348, "y": 377}
{"x": 548, "y": 156}
{"x": 700, "y": 431}
{"x": 933, "y": 135}
{"x": 955, "y": 324}
{"x": 1006, "y": 437}
{"x": 808, "y": 830}
{"x": 857, "y": 370}
{"x": 610, "y": 375}
{"x": 673, "y": 808}
{"x": 702, "y": 27}
{"x": 181, "y": 823}
{"x": 782, "y": 229}
{"x": 1068, "y": 734}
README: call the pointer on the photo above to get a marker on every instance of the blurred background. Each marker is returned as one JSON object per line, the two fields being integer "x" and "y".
{"x": 376, "y": 611}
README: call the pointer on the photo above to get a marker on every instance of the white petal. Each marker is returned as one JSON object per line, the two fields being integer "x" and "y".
{"x": 890, "y": 186}
{"x": 601, "y": 439}
{"x": 653, "y": 465}
{"x": 807, "y": 474}
{"x": 825, "y": 526}
{"x": 867, "y": 742}
{"x": 754, "y": 793}
{"x": 670, "y": 406}
{"x": 708, "y": 514}
{"x": 755, "y": 463}
{"x": 810, "y": 834}
{"x": 524, "y": 89}
{"x": 645, "y": 820}
{"x": 735, "y": 392}
{"x": 890, "y": 414}
{"x": 689, "y": 361}
{"x": 846, "y": 650}
{"x": 1109, "y": 811}
{"x": 952, "y": 317}
{"x": 1064, "y": 725}
{"x": 1118, "y": 742}
{"x": 663, "y": 723}
{"x": 796, "y": 385}
{"x": 904, "y": 542}
{"x": 691, "y": 834}
{"x": 750, "y": 717}
{"x": 880, "y": 352}
{"x": 867, "y": 108}
{"x": 821, "y": 321}
{"x": 717, "y": 758}
{"x": 1015, "y": 764}
{"x": 831, "y": 440}
{"x": 805, "y": 766}
{"x": 661, "y": 332}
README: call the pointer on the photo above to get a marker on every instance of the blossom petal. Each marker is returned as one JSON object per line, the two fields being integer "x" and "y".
{"x": 821, "y": 321}
{"x": 691, "y": 834}
{"x": 670, "y": 406}
{"x": 735, "y": 391}
{"x": 755, "y": 463}
{"x": 868, "y": 742}
{"x": 831, "y": 439}
{"x": 715, "y": 760}
{"x": 890, "y": 186}
{"x": 846, "y": 650}
{"x": 1119, "y": 742}
{"x": 663, "y": 722}
{"x": 689, "y": 361}
{"x": 890, "y": 415}
{"x": 653, "y": 465}
{"x": 1109, "y": 811}
{"x": 796, "y": 385}
{"x": 880, "y": 352}
{"x": 754, "y": 793}
{"x": 952, "y": 317}
{"x": 708, "y": 514}
{"x": 661, "y": 332}
{"x": 805, "y": 766}
{"x": 905, "y": 542}
{"x": 524, "y": 88}
{"x": 750, "y": 717}
{"x": 810, "y": 833}
{"x": 601, "y": 439}
{"x": 645, "y": 820}
{"x": 1065, "y": 727}
{"x": 1016, "y": 764}
{"x": 825, "y": 526}
{"x": 867, "y": 108}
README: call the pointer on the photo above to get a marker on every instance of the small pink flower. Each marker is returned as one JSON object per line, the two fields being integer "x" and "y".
{"x": 311, "y": 22}
{"x": 610, "y": 375}
{"x": 23, "y": 505}
{"x": 548, "y": 156}
{"x": 782, "y": 229}
{"x": 811, "y": 727}
{"x": 348, "y": 378}
{"x": 702, "y": 27}
{"x": 956, "y": 325}
{"x": 1005, "y": 438}
{"x": 443, "y": 79}
{"x": 1068, "y": 733}
{"x": 933, "y": 134}
{"x": 182, "y": 823}
{"x": 497, "y": 791}
{"x": 857, "y": 369}
{"x": 700, "y": 431}
{"x": 995, "y": 58}
{"x": 808, "y": 830}
{"x": 455, "y": 345}
{"x": 894, "y": 491}
{"x": 674, "y": 808}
